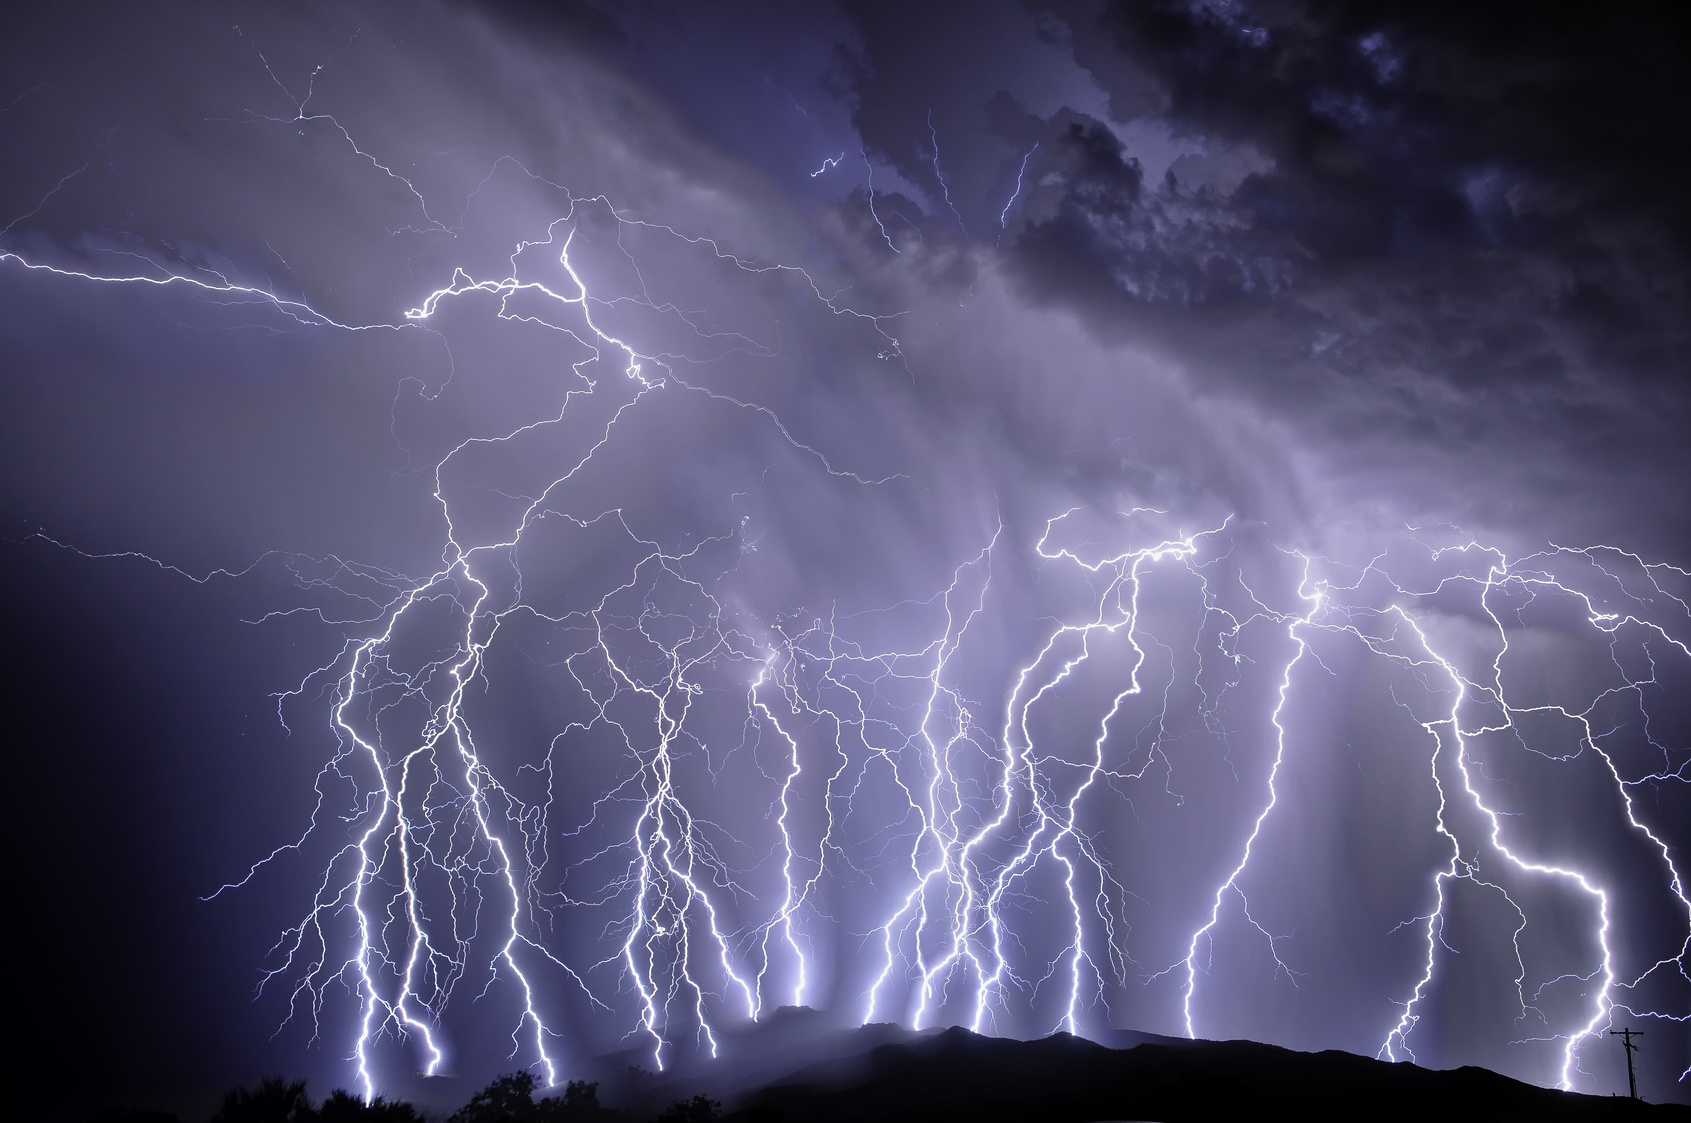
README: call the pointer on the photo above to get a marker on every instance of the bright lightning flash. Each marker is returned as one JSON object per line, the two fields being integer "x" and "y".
{"x": 977, "y": 841}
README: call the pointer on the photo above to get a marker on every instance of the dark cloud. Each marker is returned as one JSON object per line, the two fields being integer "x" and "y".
{"x": 904, "y": 279}
{"x": 1426, "y": 241}
{"x": 1444, "y": 236}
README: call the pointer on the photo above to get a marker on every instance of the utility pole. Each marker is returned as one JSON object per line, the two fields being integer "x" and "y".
{"x": 1628, "y": 1035}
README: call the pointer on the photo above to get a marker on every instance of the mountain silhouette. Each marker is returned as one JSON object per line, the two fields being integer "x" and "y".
{"x": 958, "y": 1075}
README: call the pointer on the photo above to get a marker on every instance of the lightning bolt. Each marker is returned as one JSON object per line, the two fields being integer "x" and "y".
{"x": 1021, "y": 174}
{"x": 1399, "y": 634}
{"x": 975, "y": 815}
{"x": 939, "y": 174}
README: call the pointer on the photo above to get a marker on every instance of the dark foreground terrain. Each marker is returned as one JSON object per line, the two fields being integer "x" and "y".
{"x": 957, "y": 1075}
{"x": 799, "y": 1071}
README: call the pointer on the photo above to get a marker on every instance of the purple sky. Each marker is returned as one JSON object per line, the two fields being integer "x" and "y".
{"x": 1036, "y": 515}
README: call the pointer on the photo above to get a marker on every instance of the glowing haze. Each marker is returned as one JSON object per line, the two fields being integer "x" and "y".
{"x": 550, "y": 532}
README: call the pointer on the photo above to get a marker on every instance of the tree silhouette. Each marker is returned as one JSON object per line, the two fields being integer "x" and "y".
{"x": 510, "y": 1099}
{"x": 344, "y": 1107}
{"x": 699, "y": 1109}
{"x": 578, "y": 1104}
{"x": 273, "y": 1101}
{"x": 507, "y": 1098}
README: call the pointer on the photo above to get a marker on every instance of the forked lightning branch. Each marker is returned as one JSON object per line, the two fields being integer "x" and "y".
{"x": 914, "y": 836}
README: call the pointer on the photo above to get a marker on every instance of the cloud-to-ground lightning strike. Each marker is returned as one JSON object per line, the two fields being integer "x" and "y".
{"x": 1483, "y": 854}
{"x": 946, "y": 796}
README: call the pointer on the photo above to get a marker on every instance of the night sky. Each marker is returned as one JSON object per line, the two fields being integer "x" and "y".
{"x": 593, "y": 522}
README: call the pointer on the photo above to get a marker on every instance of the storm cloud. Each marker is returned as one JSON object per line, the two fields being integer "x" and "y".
{"x": 699, "y": 424}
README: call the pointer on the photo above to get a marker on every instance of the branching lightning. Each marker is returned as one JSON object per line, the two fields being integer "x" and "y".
{"x": 922, "y": 838}
{"x": 1395, "y": 633}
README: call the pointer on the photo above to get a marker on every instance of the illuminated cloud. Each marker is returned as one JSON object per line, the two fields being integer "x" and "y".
{"x": 600, "y": 526}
